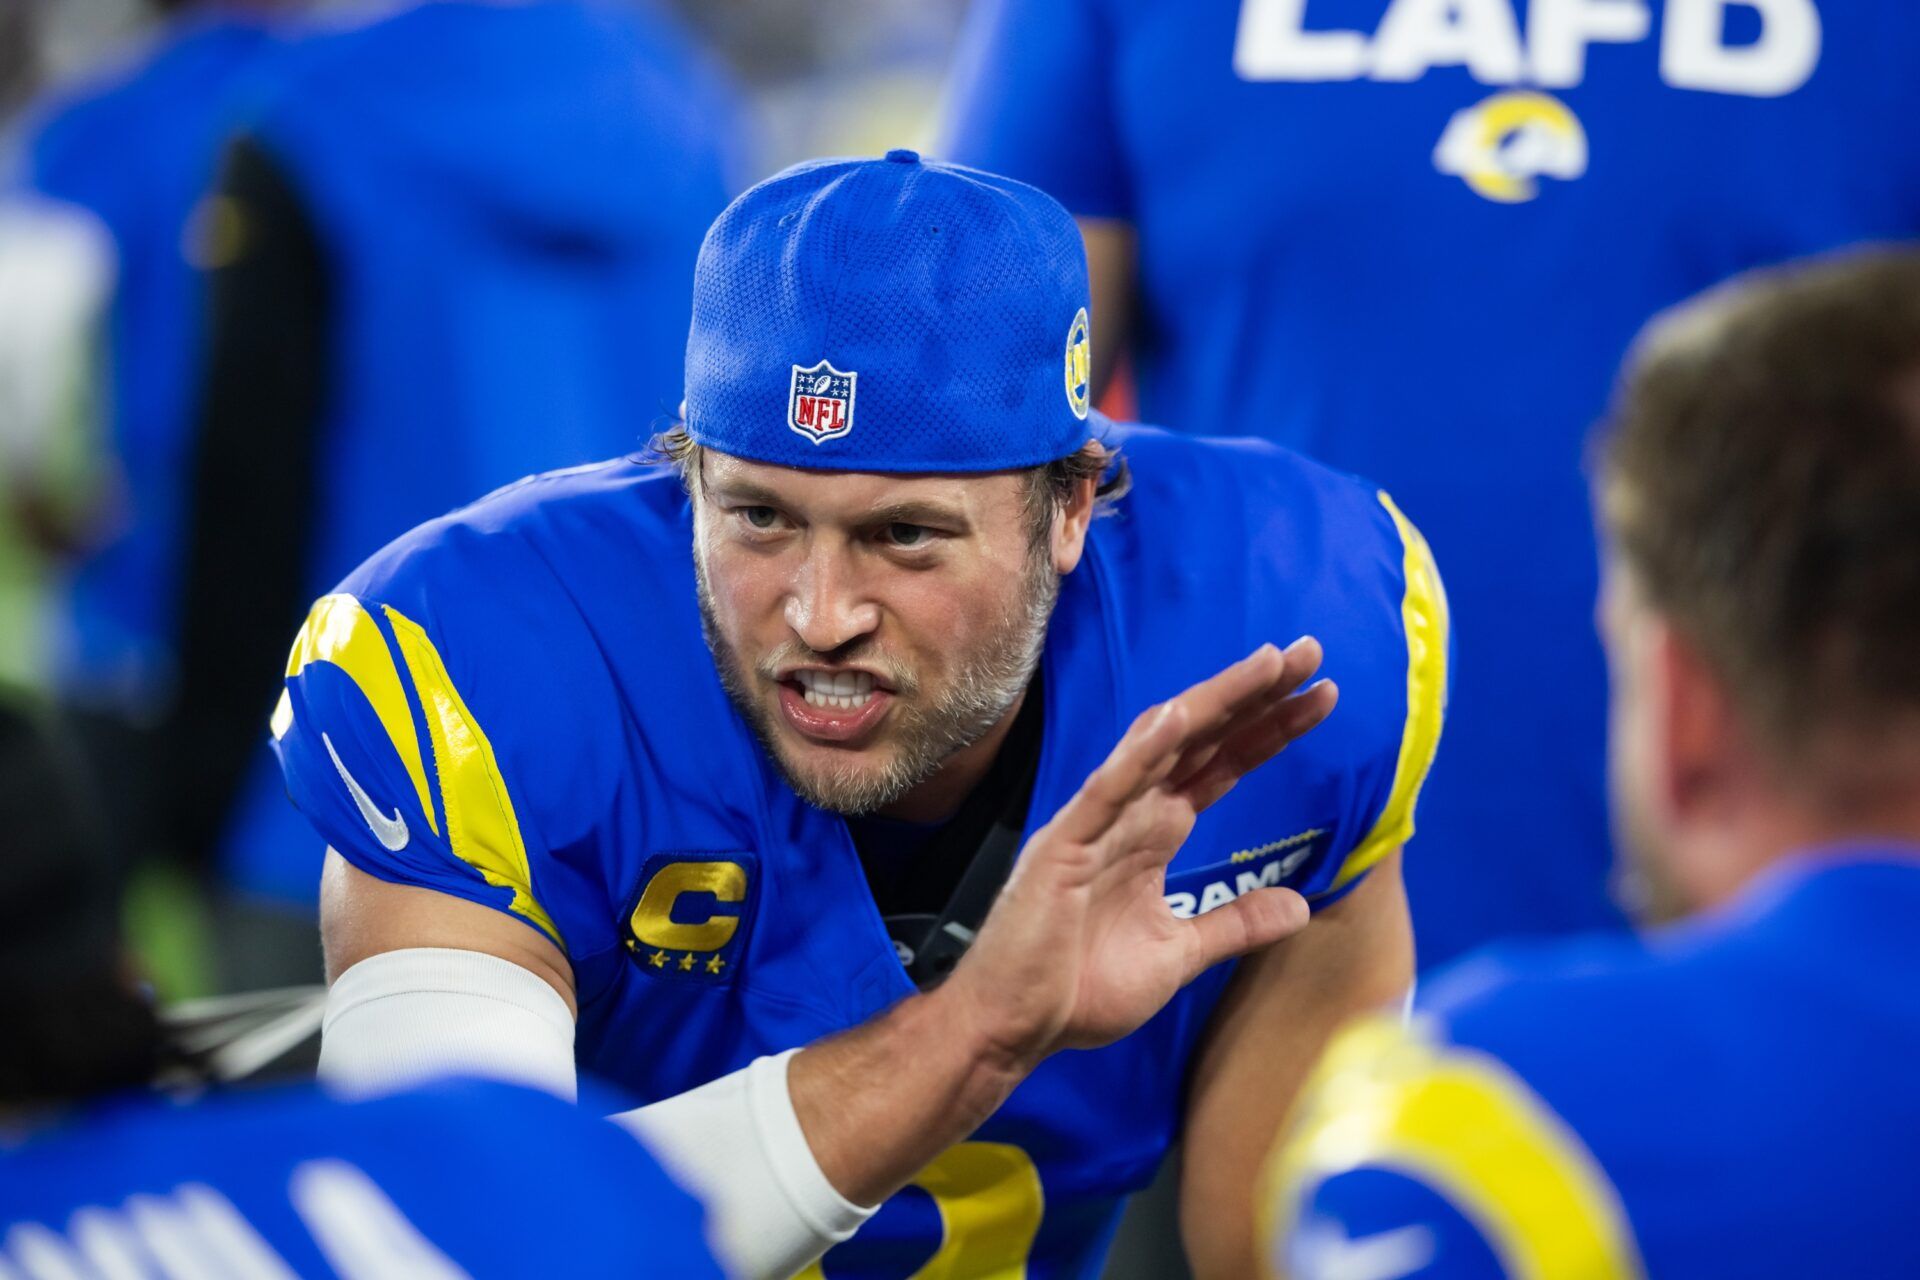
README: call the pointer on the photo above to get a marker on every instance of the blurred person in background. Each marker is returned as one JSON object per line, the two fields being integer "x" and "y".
{"x": 100, "y": 1175}
{"x": 835, "y": 77}
{"x": 1412, "y": 238}
{"x": 56, "y": 274}
{"x": 135, "y": 142}
{"x": 1729, "y": 1096}
{"x": 451, "y": 245}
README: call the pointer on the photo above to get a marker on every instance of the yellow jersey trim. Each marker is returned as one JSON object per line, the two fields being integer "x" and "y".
{"x": 991, "y": 1205}
{"x": 339, "y": 631}
{"x": 481, "y": 826}
{"x": 1462, "y": 1122}
{"x": 1423, "y": 615}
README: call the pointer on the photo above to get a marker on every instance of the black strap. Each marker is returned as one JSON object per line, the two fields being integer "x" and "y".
{"x": 947, "y": 936}
{"x": 962, "y": 866}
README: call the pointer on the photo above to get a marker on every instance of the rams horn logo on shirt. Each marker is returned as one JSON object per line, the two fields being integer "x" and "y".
{"x": 690, "y": 916}
{"x": 1079, "y": 365}
{"x": 1500, "y": 146}
{"x": 820, "y": 403}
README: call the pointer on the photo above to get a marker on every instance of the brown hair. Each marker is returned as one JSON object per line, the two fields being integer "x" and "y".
{"x": 1049, "y": 487}
{"x": 1760, "y": 481}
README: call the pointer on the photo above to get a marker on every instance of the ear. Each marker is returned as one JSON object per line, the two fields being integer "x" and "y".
{"x": 1069, "y": 538}
{"x": 1704, "y": 755}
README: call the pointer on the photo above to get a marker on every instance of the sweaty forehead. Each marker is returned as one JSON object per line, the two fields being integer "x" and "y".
{"x": 983, "y": 499}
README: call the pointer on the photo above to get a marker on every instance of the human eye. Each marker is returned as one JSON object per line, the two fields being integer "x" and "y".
{"x": 906, "y": 536}
{"x": 760, "y": 519}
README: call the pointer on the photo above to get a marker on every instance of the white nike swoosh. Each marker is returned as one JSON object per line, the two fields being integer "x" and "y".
{"x": 1323, "y": 1251}
{"x": 391, "y": 832}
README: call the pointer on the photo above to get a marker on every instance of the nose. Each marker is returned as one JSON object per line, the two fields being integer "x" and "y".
{"x": 825, "y": 607}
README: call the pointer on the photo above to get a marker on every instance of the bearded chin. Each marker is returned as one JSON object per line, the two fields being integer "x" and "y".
{"x": 925, "y": 734}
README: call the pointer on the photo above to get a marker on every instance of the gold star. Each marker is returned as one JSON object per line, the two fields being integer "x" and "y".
{"x": 658, "y": 959}
{"x": 716, "y": 964}
{"x": 686, "y": 963}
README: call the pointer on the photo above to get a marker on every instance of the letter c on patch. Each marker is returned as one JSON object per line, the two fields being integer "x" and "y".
{"x": 653, "y": 923}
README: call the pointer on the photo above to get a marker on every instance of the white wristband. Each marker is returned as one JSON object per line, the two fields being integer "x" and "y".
{"x": 402, "y": 1017}
{"x": 737, "y": 1144}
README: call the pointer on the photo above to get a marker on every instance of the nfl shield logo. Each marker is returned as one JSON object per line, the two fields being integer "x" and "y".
{"x": 820, "y": 404}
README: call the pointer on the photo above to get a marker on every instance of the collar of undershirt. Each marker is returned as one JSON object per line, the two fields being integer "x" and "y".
{"x": 914, "y": 868}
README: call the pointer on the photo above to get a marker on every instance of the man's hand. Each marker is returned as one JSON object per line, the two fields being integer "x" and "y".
{"x": 1080, "y": 948}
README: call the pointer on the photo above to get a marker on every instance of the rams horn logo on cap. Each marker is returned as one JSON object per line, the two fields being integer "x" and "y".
{"x": 820, "y": 402}
{"x": 1079, "y": 365}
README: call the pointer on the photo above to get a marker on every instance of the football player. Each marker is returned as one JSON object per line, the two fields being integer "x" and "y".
{"x": 673, "y": 770}
{"x": 1412, "y": 239}
{"x": 166, "y": 104}
{"x": 445, "y": 206}
{"x": 1727, "y": 1097}
{"x": 99, "y": 1177}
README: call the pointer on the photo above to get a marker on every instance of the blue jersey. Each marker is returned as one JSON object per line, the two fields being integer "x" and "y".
{"x": 509, "y": 199}
{"x": 1730, "y": 1099}
{"x": 515, "y": 706}
{"x": 137, "y": 146}
{"x": 1413, "y": 240}
{"x": 458, "y": 1179}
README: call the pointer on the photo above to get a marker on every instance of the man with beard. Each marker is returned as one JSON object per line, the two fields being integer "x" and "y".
{"x": 553, "y": 803}
{"x": 1731, "y": 1095}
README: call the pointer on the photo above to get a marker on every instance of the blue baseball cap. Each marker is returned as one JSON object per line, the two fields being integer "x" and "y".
{"x": 897, "y": 314}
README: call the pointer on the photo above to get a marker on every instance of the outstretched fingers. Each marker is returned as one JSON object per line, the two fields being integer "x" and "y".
{"x": 1154, "y": 746}
{"x": 1142, "y": 760}
{"x": 1287, "y": 720}
{"x": 1204, "y": 740}
{"x": 1216, "y": 704}
{"x": 1299, "y": 661}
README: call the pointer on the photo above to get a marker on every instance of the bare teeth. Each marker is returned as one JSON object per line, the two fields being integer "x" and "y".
{"x": 838, "y": 690}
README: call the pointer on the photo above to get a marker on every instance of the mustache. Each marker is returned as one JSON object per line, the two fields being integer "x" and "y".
{"x": 792, "y": 653}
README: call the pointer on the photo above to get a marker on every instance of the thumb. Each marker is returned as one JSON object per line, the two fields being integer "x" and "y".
{"x": 1248, "y": 923}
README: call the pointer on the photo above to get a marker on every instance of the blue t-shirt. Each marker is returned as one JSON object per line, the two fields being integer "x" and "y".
{"x": 515, "y": 705}
{"x": 1414, "y": 239}
{"x": 1729, "y": 1099}
{"x": 455, "y": 1179}
{"x": 137, "y": 144}
{"x": 508, "y": 199}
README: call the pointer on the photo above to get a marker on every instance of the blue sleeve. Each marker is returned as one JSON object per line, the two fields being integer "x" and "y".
{"x": 510, "y": 1182}
{"x": 1387, "y": 785}
{"x": 1384, "y": 1224}
{"x": 386, "y": 758}
{"x": 1032, "y": 98}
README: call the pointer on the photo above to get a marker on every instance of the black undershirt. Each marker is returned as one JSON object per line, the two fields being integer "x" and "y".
{"x": 914, "y": 870}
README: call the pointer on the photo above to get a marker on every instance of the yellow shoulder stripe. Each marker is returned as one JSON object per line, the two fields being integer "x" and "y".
{"x": 338, "y": 630}
{"x": 481, "y": 825}
{"x": 1465, "y": 1124}
{"x": 1423, "y": 615}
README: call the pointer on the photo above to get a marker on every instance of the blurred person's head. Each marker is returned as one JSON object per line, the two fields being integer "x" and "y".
{"x": 72, "y": 1023}
{"x": 892, "y": 462}
{"x": 1759, "y": 496}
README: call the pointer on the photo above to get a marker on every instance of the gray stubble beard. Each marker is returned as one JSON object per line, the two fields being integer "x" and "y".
{"x": 982, "y": 693}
